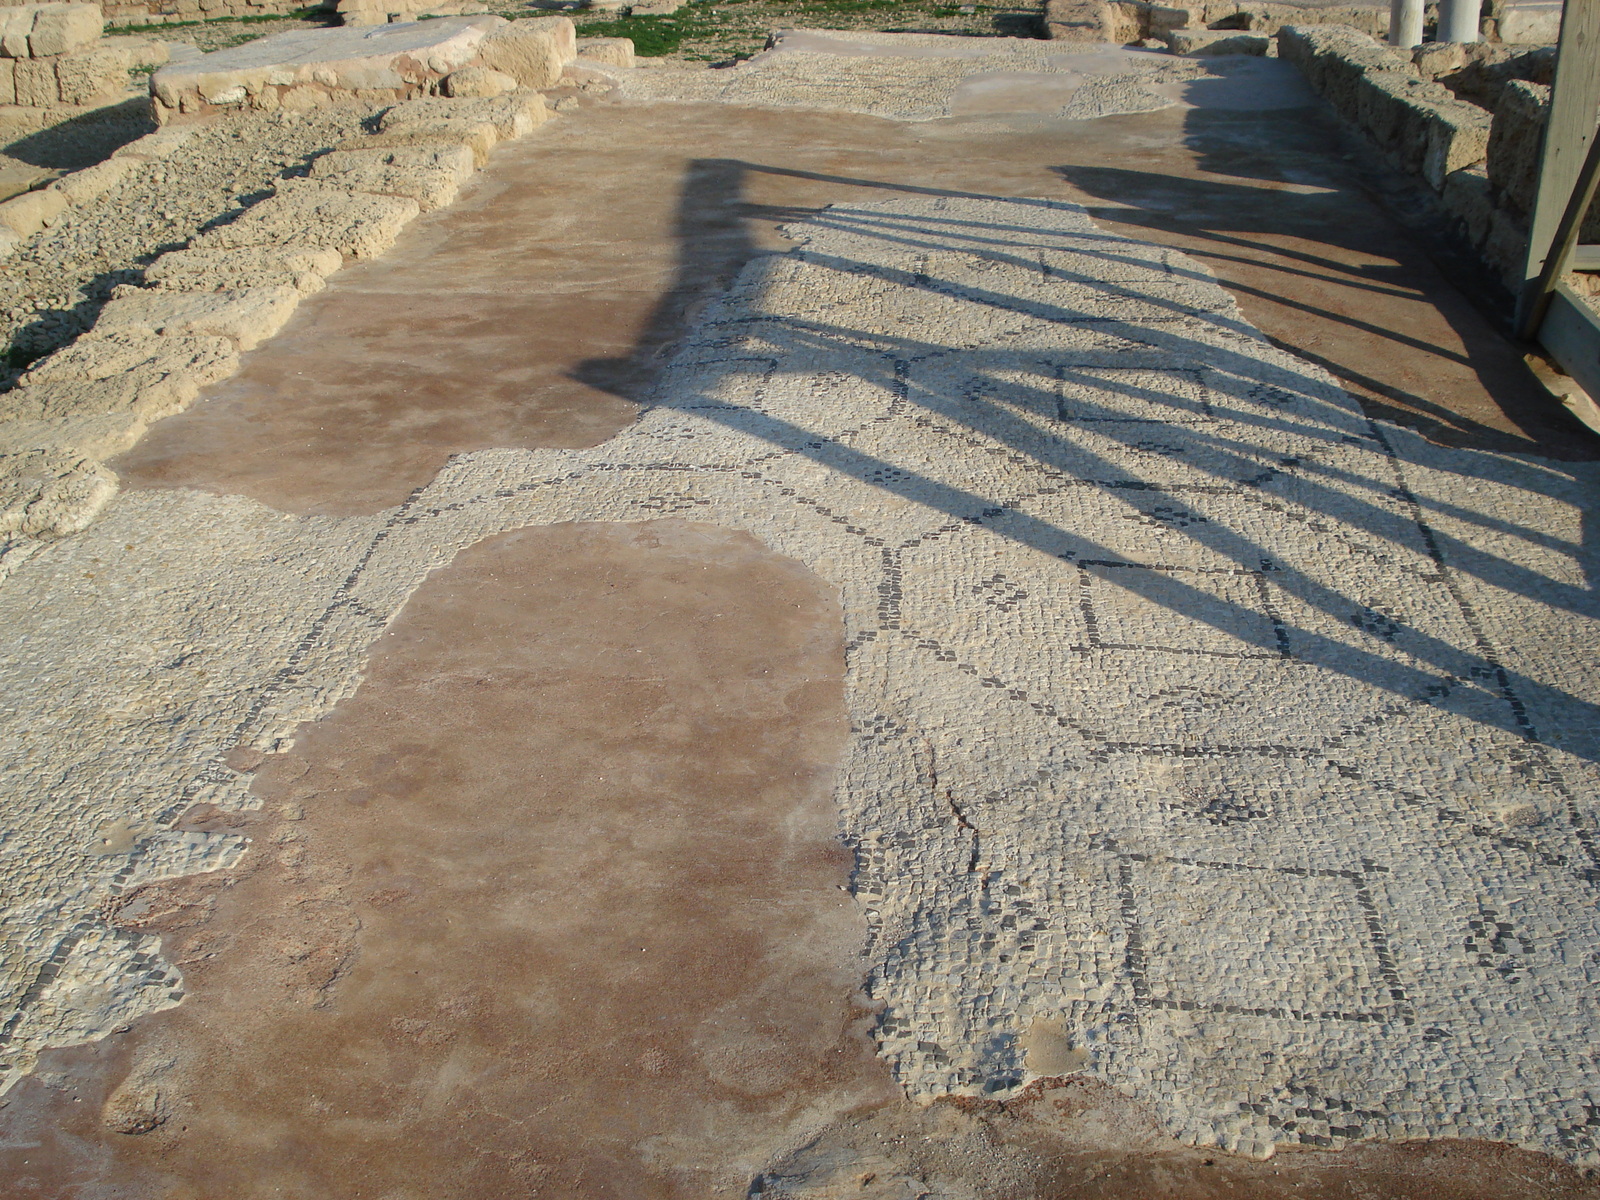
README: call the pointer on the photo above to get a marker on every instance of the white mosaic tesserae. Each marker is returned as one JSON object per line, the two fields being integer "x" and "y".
{"x": 1242, "y": 742}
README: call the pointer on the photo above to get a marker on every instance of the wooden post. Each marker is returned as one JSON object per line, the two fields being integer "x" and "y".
{"x": 1574, "y": 118}
{"x": 1405, "y": 23}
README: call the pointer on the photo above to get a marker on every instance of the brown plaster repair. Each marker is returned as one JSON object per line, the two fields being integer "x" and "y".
{"x": 554, "y": 905}
{"x": 538, "y": 310}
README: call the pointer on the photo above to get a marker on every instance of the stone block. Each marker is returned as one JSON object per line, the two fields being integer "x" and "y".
{"x": 391, "y": 60}
{"x": 47, "y": 495}
{"x": 606, "y": 52}
{"x": 1201, "y": 43}
{"x": 302, "y": 267}
{"x": 480, "y": 137}
{"x": 92, "y": 75}
{"x": 153, "y": 377}
{"x": 1457, "y": 137}
{"x": 246, "y": 317}
{"x": 1469, "y": 198}
{"x": 1396, "y": 110}
{"x": 1515, "y": 137}
{"x": 63, "y": 28}
{"x": 16, "y": 22}
{"x": 8, "y": 85}
{"x": 30, "y": 212}
{"x": 99, "y": 436}
{"x": 80, "y": 187}
{"x": 510, "y": 116}
{"x": 1506, "y": 247}
{"x": 476, "y": 82}
{"x": 36, "y": 85}
{"x": 432, "y": 176}
{"x": 1434, "y": 59}
{"x": 1530, "y": 24}
{"x": 532, "y": 52}
{"x": 1079, "y": 21}
{"x": 311, "y": 212}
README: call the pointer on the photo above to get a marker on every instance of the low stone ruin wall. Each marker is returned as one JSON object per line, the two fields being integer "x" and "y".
{"x": 154, "y": 347}
{"x": 1126, "y": 21}
{"x": 52, "y": 54}
{"x": 476, "y": 56}
{"x": 1469, "y": 120}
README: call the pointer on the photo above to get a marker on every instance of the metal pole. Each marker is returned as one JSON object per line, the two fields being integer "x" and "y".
{"x": 1458, "y": 21}
{"x": 1405, "y": 23}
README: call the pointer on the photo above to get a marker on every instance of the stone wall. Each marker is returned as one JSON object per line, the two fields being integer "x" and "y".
{"x": 52, "y": 54}
{"x": 164, "y": 12}
{"x": 305, "y": 69}
{"x": 1480, "y": 158}
{"x": 1125, "y": 21}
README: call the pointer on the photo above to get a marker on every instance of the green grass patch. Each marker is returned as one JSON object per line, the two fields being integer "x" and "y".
{"x": 653, "y": 36}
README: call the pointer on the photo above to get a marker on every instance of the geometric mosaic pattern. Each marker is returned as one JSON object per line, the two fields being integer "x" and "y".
{"x": 1249, "y": 739}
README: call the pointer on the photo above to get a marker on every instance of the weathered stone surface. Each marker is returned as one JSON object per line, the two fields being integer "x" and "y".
{"x": 476, "y": 83}
{"x": 310, "y": 212}
{"x": 1334, "y": 58}
{"x": 45, "y": 494}
{"x": 15, "y": 25}
{"x": 153, "y": 376}
{"x": 1530, "y": 24}
{"x": 1390, "y": 106}
{"x": 396, "y": 60}
{"x": 1208, "y": 42}
{"x": 430, "y": 175}
{"x": 93, "y": 75}
{"x": 8, "y": 82}
{"x": 606, "y": 52}
{"x": 1515, "y": 137}
{"x": 246, "y": 317}
{"x": 532, "y": 52}
{"x": 62, "y": 28}
{"x": 32, "y": 211}
{"x": 35, "y": 82}
{"x": 82, "y": 186}
{"x": 1468, "y": 196}
{"x": 99, "y": 436}
{"x": 511, "y": 116}
{"x": 1458, "y": 137}
{"x": 479, "y": 137}
{"x": 302, "y": 267}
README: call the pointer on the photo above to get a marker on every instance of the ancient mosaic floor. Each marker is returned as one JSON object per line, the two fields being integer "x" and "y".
{"x": 1210, "y": 737}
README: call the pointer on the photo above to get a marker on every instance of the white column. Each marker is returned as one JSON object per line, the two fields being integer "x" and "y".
{"x": 1405, "y": 23}
{"x": 1458, "y": 21}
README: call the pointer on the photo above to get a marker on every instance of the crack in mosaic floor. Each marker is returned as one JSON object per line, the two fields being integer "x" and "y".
{"x": 1244, "y": 739}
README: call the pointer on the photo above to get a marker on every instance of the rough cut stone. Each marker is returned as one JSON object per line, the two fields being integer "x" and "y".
{"x": 35, "y": 82}
{"x": 510, "y": 116}
{"x": 430, "y": 175}
{"x": 304, "y": 268}
{"x": 8, "y": 82}
{"x": 246, "y": 317}
{"x": 45, "y": 494}
{"x": 608, "y": 52}
{"x": 153, "y": 376}
{"x": 1210, "y": 42}
{"x": 100, "y": 436}
{"x": 479, "y": 137}
{"x": 82, "y": 186}
{"x": 32, "y": 211}
{"x": 394, "y": 61}
{"x": 532, "y": 52}
{"x": 310, "y": 212}
{"x": 63, "y": 28}
{"x": 93, "y": 75}
{"x": 476, "y": 82}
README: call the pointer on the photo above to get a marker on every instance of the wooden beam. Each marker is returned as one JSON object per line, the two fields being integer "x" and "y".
{"x": 1574, "y": 119}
